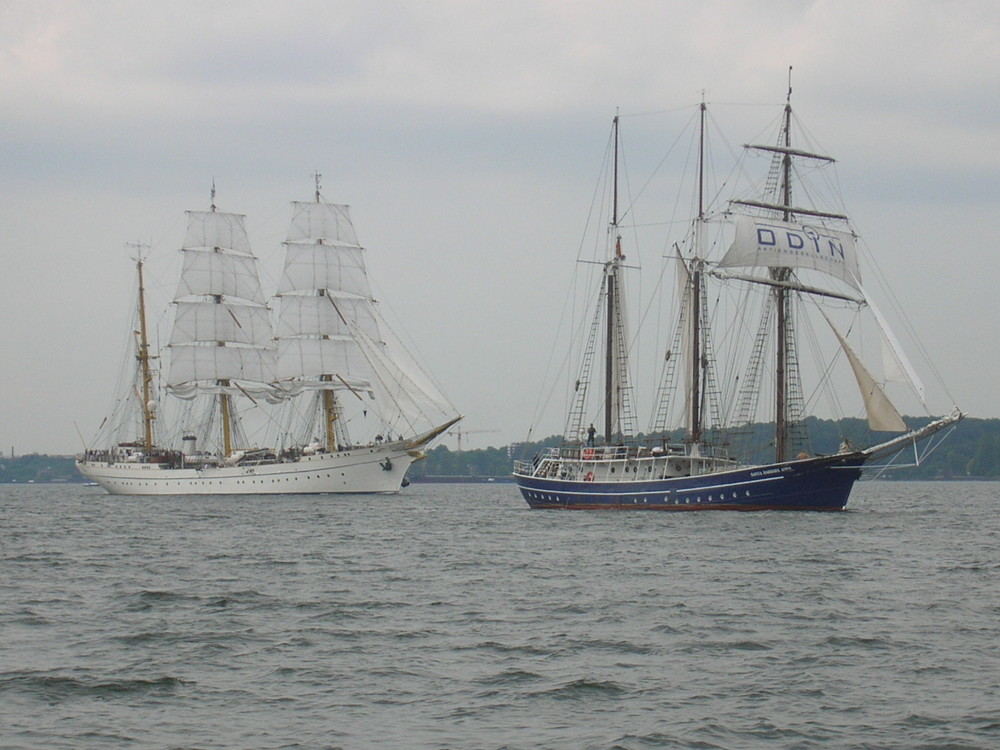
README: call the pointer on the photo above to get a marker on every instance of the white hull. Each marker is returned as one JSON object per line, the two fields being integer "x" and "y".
{"x": 370, "y": 469}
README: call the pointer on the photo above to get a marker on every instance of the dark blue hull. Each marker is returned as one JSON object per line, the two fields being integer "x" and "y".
{"x": 813, "y": 484}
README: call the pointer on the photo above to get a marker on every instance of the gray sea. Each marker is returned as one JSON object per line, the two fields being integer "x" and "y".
{"x": 451, "y": 616}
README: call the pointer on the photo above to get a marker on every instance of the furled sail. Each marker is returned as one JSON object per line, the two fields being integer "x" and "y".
{"x": 221, "y": 341}
{"x": 684, "y": 294}
{"x": 772, "y": 243}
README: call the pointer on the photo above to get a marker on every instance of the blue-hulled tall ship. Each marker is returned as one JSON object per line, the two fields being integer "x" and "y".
{"x": 783, "y": 261}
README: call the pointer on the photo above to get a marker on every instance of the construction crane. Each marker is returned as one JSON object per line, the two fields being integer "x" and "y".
{"x": 458, "y": 431}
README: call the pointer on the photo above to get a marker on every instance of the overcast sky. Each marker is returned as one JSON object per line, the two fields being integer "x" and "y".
{"x": 467, "y": 137}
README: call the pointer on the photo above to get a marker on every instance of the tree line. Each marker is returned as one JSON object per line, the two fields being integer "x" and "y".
{"x": 971, "y": 451}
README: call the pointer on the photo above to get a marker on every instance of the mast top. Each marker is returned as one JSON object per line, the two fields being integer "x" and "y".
{"x": 788, "y": 98}
{"x": 138, "y": 247}
{"x": 317, "y": 177}
{"x": 614, "y": 197}
{"x": 213, "y": 194}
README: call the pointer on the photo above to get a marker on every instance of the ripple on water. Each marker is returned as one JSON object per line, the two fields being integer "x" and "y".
{"x": 452, "y": 617}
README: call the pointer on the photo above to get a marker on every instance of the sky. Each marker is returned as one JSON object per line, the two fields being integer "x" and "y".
{"x": 467, "y": 137}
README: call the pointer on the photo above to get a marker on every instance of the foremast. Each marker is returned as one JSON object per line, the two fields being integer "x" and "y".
{"x": 613, "y": 332}
{"x": 606, "y": 348}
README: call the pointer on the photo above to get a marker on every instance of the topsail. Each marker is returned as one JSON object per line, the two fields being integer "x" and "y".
{"x": 772, "y": 243}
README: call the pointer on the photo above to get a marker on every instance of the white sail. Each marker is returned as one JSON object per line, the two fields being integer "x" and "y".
{"x": 317, "y": 220}
{"x": 305, "y": 361}
{"x": 896, "y": 365}
{"x": 771, "y": 243}
{"x": 882, "y": 415}
{"x": 325, "y": 297}
{"x": 196, "y": 368}
{"x": 208, "y": 230}
{"x": 240, "y": 324}
{"x": 330, "y": 336}
{"x": 225, "y": 273}
{"x": 401, "y": 382}
{"x": 319, "y": 315}
{"x": 221, "y": 340}
{"x": 322, "y": 265}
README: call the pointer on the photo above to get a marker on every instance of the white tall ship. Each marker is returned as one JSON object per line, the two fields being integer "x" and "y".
{"x": 327, "y": 371}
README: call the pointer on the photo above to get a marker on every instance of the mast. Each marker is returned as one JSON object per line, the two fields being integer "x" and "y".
{"x": 329, "y": 395}
{"x": 774, "y": 241}
{"x": 221, "y": 336}
{"x": 227, "y": 424}
{"x": 329, "y": 417}
{"x": 327, "y": 320}
{"x": 146, "y": 372}
{"x": 610, "y": 402}
{"x": 781, "y": 297}
{"x": 225, "y": 412}
{"x": 696, "y": 289}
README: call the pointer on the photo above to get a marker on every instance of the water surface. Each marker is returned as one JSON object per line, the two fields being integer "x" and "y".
{"x": 451, "y": 616}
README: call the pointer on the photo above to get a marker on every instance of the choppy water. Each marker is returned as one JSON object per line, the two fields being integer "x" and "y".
{"x": 451, "y": 616}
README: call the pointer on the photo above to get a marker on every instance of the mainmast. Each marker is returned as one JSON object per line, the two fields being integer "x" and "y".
{"x": 696, "y": 290}
{"x": 145, "y": 370}
{"x": 610, "y": 402}
{"x": 329, "y": 397}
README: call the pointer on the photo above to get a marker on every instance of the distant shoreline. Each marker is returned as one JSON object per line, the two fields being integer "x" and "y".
{"x": 505, "y": 479}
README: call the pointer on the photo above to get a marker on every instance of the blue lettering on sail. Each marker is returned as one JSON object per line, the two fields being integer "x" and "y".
{"x": 801, "y": 241}
{"x": 766, "y": 237}
{"x": 773, "y": 243}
